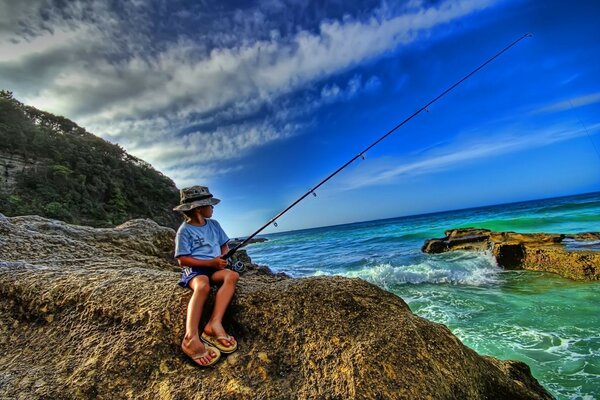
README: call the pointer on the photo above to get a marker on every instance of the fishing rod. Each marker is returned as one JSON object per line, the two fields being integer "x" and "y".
{"x": 232, "y": 251}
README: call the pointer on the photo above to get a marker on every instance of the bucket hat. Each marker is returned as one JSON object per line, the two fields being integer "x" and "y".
{"x": 195, "y": 196}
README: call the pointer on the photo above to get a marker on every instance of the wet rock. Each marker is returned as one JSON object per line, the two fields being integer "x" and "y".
{"x": 509, "y": 256}
{"x": 574, "y": 256}
{"x": 110, "y": 324}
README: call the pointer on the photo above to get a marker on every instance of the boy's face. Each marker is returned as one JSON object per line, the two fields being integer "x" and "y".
{"x": 205, "y": 211}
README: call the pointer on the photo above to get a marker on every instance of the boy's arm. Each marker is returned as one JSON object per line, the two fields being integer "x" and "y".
{"x": 224, "y": 249}
{"x": 189, "y": 261}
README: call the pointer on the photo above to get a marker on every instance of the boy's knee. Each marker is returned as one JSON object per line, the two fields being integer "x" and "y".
{"x": 233, "y": 277}
{"x": 201, "y": 284}
{"x": 205, "y": 288}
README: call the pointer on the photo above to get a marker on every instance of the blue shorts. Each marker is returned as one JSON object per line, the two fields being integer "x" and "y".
{"x": 189, "y": 273}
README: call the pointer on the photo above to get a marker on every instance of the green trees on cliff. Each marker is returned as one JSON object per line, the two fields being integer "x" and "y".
{"x": 75, "y": 176}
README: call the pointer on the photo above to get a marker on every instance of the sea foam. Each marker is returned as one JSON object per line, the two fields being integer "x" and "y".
{"x": 457, "y": 268}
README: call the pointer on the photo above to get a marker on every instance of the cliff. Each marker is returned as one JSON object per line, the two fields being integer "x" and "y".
{"x": 11, "y": 166}
{"x": 574, "y": 256}
{"x": 96, "y": 313}
{"x": 52, "y": 167}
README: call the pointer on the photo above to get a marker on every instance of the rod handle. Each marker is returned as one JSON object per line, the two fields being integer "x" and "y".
{"x": 230, "y": 253}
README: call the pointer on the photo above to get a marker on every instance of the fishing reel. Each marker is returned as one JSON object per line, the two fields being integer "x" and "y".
{"x": 235, "y": 265}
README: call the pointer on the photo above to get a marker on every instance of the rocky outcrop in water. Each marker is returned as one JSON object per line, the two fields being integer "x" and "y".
{"x": 574, "y": 256}
{"x": 96, "y": 313}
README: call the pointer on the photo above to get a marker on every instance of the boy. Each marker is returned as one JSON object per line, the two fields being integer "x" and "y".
{"x": 199, "y": 245}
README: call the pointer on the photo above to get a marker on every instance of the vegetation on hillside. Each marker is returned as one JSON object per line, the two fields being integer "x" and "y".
{"x": 78, "y": 177}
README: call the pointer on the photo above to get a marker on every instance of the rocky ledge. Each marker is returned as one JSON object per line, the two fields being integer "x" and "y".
{"x": 572, "y": 256}
{"x": 96, "y": 313}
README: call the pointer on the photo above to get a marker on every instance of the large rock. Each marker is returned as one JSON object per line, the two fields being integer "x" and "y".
{"x": 109, "y": 326}
{"x": 573, "y": 256}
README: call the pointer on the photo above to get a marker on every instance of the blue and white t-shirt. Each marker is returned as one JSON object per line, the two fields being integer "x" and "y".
{"x": 202, "y": 242}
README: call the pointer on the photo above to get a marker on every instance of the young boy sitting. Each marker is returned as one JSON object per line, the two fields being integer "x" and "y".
{"x": 199, "y": 245}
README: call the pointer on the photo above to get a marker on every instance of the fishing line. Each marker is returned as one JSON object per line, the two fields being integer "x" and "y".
{"x": 362, "y": 153}
{"x": 585, "y": 129}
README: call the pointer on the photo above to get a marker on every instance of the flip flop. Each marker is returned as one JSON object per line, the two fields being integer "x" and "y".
{"x": 204, "y": 354}
{"x": 215, "y": 341}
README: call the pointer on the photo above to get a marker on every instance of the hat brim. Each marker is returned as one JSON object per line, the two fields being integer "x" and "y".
{"x": 198, "y": 203}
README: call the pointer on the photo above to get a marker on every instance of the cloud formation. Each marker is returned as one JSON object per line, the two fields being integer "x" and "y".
{"x": 569, "y": 104}
{"x": 166, "y": 93}
{"x": 388, "y": 170}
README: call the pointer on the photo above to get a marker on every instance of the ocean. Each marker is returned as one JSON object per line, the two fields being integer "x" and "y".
{"x": 550, "y": 323}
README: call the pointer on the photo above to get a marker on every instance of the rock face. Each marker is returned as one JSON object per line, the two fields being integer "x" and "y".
{"x": 10, "y": 165}
{"x": 572, "y": 256}
{"x": 96, "y": 313}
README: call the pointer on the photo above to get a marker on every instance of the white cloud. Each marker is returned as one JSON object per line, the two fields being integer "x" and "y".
{"x": 387, "y": 170}
{"x": 180, "y": 75}
{"x": 190, "y": 175}
{"x": 332, "y": 92}
{"x": 569, "y": 104}
{"x": 87, "y": 62}
{"x": 19, "y": 16}
{"x": 373, "y": 83}
{"x": 222, "y": 144}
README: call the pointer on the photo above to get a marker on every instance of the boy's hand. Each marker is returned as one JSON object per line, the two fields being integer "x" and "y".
{"x": 219, "y": 263}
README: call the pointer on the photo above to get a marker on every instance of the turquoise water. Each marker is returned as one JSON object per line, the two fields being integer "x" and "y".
{"x": 551, "y": 323}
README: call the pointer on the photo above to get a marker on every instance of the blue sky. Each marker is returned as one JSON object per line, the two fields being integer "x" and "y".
{"x": 261, "y": 100}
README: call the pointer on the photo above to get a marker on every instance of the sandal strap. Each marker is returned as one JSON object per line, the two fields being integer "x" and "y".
{"x": 199, "y": 355}
{"x": 206, "y": 352}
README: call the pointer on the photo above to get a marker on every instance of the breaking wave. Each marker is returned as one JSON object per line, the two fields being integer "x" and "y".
{"x": 456, "y": 268}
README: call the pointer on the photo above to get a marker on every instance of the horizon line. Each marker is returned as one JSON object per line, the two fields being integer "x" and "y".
{"x": 423, "y": 214}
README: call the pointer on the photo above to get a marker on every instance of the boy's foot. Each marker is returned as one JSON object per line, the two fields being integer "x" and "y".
{"x": 215, "y": 334}
{"x": 217, "y": 342}
{"x": 203, "y": 355}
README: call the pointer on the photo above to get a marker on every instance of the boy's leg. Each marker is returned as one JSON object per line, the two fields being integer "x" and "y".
{"x": 228, "y": 278}
{"x": 191, "y": 342}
